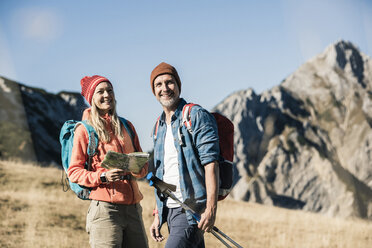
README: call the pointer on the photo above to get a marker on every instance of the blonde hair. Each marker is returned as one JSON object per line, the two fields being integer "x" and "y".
{"x": 99, "y": 124}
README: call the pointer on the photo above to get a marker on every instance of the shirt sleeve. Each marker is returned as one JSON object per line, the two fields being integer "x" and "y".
{"x": 205, "y": 135}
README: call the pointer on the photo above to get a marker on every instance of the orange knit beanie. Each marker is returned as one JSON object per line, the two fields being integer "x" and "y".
{"x": 164, "y": 68}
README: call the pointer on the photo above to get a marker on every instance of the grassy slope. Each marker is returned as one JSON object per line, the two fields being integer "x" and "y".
{"x": 35, "y": 212}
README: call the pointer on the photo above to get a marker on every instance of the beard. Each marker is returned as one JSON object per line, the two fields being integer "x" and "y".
{"x": 169, "y": 103}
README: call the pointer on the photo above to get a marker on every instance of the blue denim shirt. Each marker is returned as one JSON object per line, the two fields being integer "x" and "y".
{"x": 194, "y": 151}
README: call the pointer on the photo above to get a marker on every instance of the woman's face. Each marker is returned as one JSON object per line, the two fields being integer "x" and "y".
{"x": 104, "y": 97}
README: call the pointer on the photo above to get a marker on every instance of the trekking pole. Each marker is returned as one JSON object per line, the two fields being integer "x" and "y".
{"x": 168, "y": 189}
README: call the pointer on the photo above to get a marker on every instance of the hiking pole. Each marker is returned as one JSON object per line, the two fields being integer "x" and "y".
{"x": 168, "y": 189}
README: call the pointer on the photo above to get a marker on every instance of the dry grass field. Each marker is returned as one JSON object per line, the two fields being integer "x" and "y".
{"x": 35, "y": 212}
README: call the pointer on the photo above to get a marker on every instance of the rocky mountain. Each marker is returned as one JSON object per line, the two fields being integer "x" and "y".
{"x": 31, "y": 119}
{"x": 307, "y": 143}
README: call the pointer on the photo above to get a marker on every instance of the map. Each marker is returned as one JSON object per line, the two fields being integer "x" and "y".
{"x": 132, "y": 162}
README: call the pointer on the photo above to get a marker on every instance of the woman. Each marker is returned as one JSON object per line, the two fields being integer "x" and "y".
{"x": 114, "y": 217}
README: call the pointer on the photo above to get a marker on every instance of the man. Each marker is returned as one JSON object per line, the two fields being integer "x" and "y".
{"x": 187, "y": 160}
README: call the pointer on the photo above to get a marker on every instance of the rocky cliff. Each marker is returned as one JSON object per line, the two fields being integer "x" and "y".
{"x": 307, "y": 143}
{"x": 30, "y": 121}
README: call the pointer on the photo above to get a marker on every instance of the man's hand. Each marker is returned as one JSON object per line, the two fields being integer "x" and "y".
{"x": 207, "y": 220}
{"x": 155, "y": 231}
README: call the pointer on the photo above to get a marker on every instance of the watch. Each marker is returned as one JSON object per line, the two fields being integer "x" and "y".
{"x": 103, "y": 177}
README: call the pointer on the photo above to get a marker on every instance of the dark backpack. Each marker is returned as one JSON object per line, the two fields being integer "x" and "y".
{"x": 226, "y": 142}
{"x": 66, "y": 139}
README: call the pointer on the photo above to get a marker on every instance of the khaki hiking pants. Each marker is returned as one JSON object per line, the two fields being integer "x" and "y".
{"x": 115, "y": 225}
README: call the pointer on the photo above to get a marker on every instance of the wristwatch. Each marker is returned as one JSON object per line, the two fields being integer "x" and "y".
{"x": 103, "y": 177}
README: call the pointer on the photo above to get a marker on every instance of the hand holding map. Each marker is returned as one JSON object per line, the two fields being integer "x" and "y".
{"x": 132, "y": 162}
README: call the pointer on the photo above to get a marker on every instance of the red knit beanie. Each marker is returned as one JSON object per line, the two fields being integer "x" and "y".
{"x": 164, "y": 68}
{"x": 89, "y": 84}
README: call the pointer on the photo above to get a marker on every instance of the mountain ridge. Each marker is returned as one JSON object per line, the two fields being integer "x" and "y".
{"x": 304, "y": 144}
{"x": 31, "y": 119}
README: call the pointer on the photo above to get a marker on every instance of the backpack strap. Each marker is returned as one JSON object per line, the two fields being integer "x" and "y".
{"x": 155, "y": 129}
{"x": 93, "y": 141}
{"x": 93, "y": 138}
{"x": 186, "y": 116}
{"x": 129, "y": 131}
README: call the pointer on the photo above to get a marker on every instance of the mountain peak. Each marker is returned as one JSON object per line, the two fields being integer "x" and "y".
{"x": 346, "y": 56}
{"x": 306, "y": 143}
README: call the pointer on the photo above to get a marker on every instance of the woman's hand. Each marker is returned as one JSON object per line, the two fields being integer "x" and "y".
{"x": 154, "y": 230}
{"x": 114, "y": 175}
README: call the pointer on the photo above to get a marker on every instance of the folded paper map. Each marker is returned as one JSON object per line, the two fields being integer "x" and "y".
{"x": 132, "y": 162}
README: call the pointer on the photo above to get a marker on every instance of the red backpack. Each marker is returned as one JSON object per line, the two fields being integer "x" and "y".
{"x": 226, "y": 142}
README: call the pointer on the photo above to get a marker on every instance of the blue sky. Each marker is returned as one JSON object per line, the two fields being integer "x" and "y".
{"x": 217, "y": 46}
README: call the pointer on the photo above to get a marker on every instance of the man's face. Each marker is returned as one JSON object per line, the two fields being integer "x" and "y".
{"x": 166, "y": 90}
